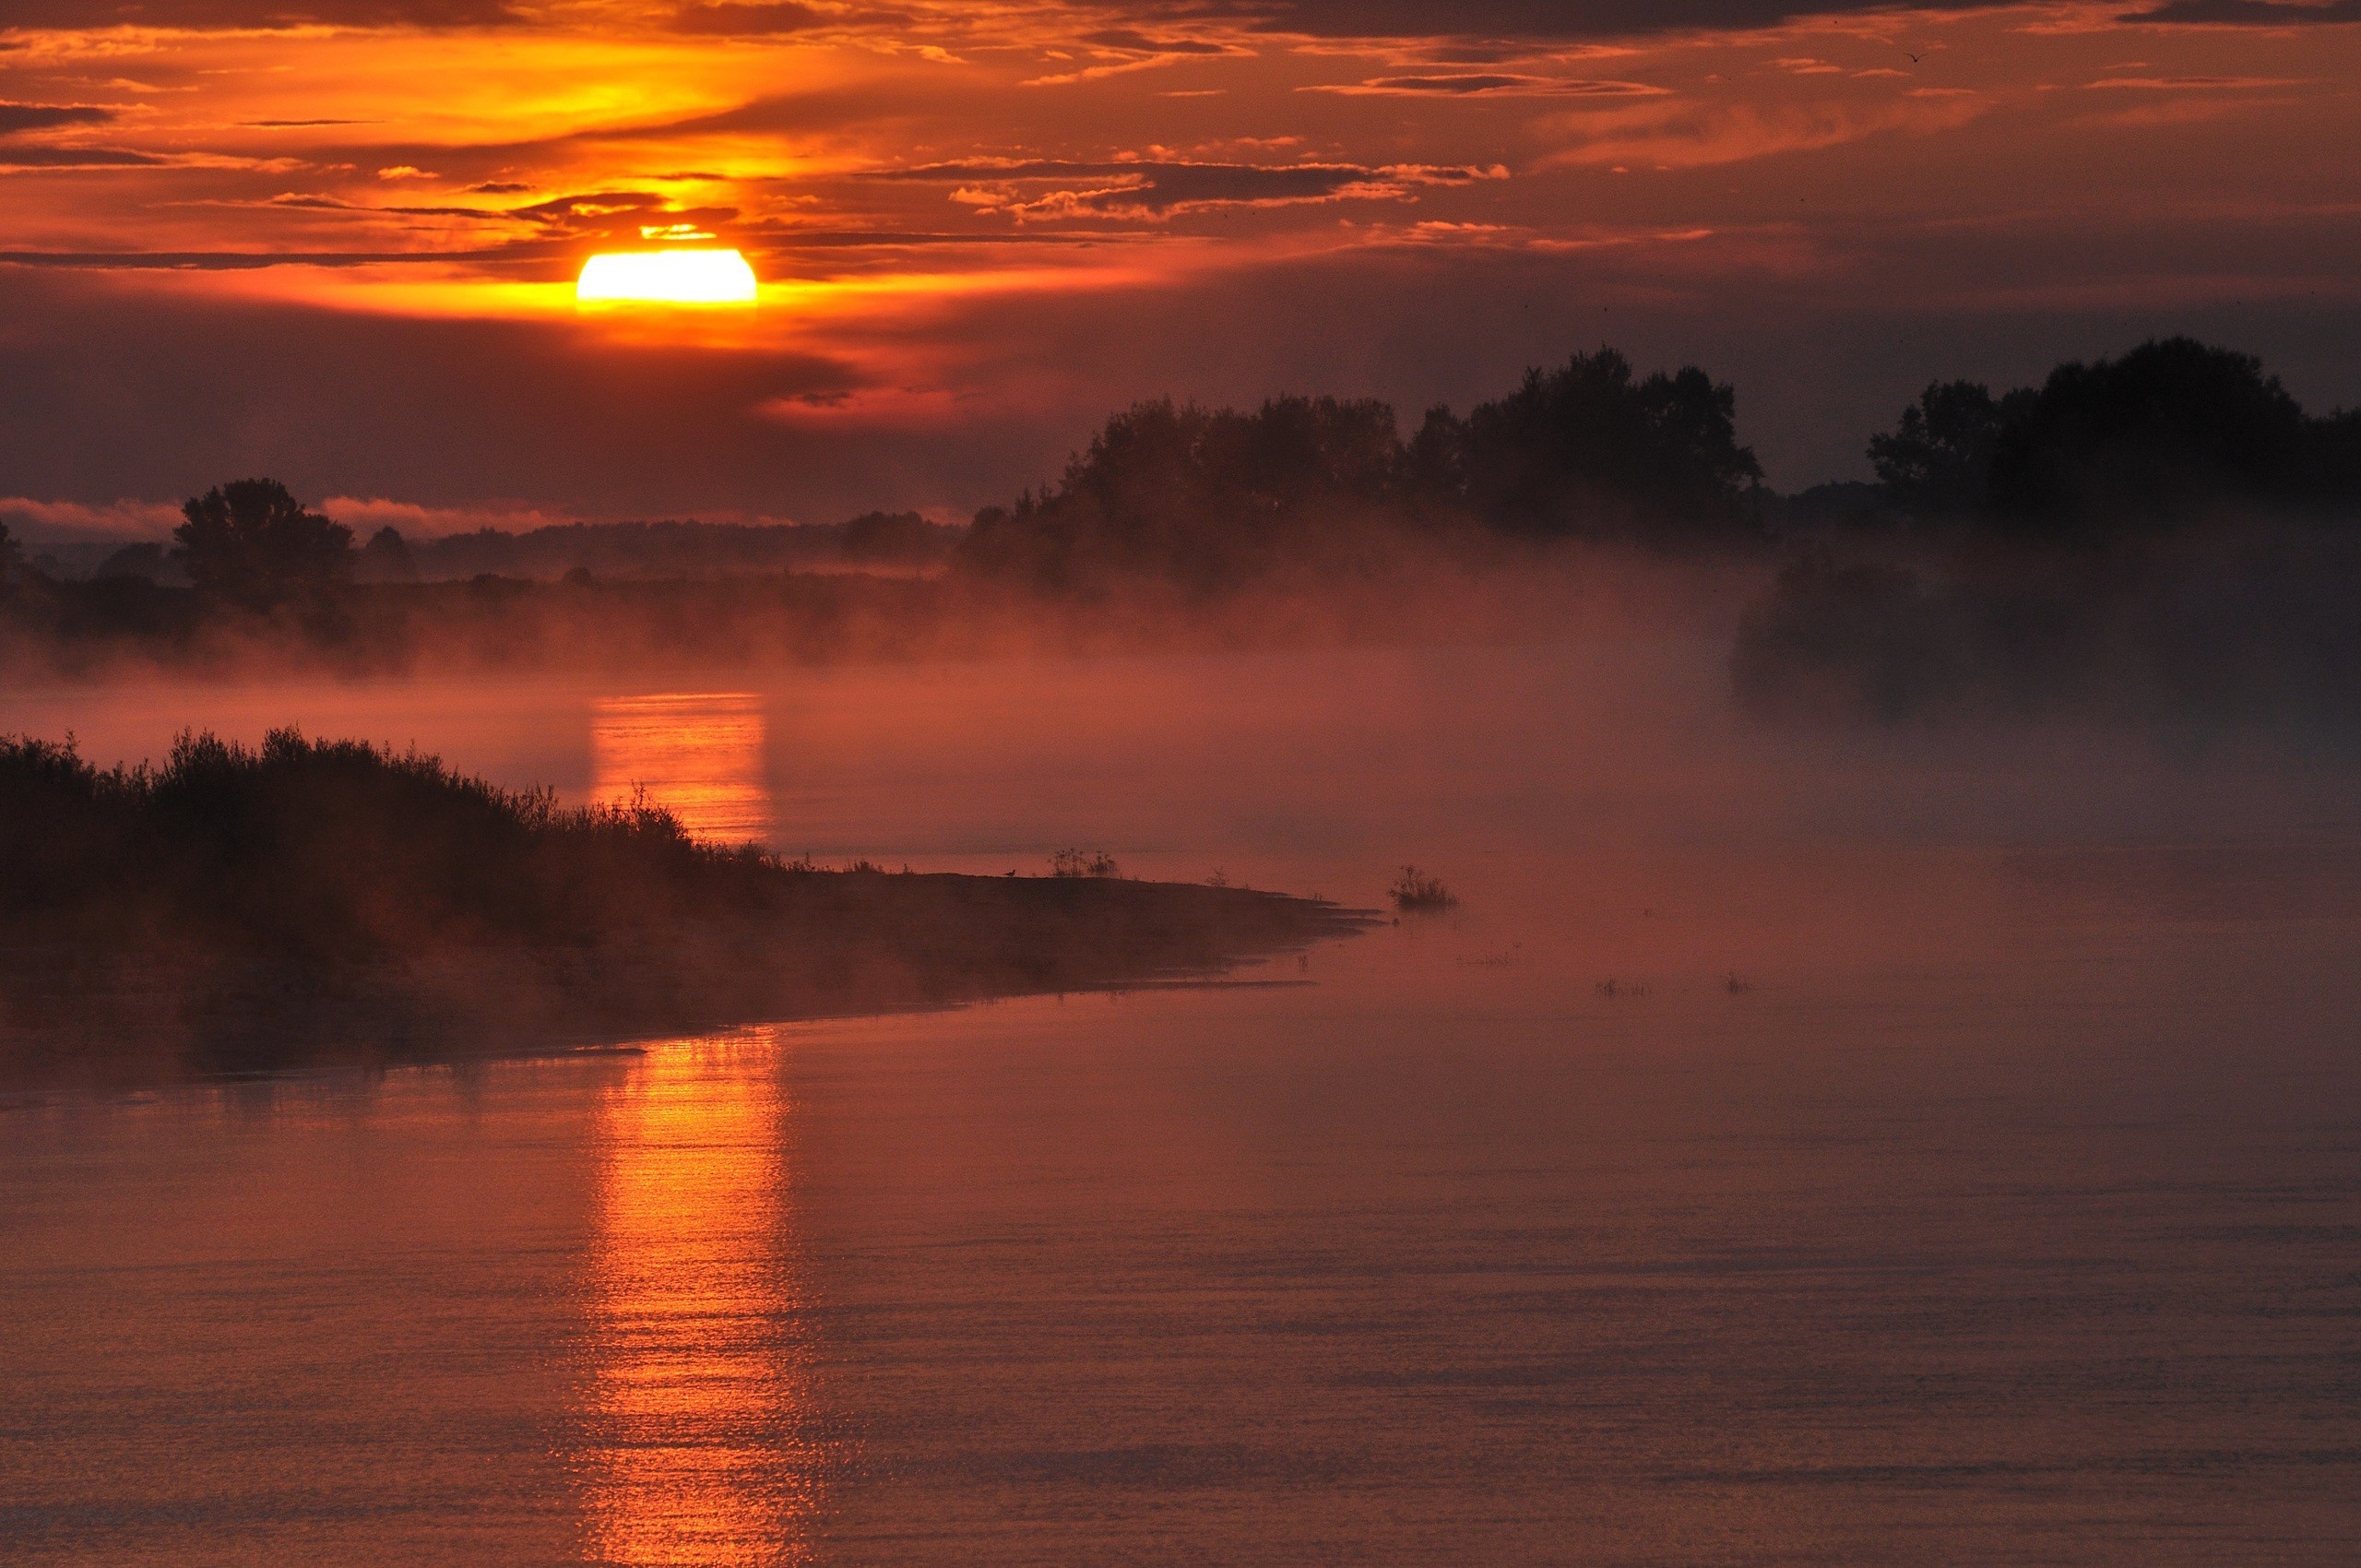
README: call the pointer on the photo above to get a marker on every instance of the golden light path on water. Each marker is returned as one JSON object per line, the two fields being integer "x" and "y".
{"x": 697, "y": 753}
{"x": 699, "y": 1400}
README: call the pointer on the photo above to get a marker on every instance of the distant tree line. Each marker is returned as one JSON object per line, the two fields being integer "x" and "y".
{"x": 669, "y": 549}
{"x": 252, "y": 545}
{"x": 2167, "y": 533}
{"x": 2173, "y": 431}
{"x": 1208, "y": 498}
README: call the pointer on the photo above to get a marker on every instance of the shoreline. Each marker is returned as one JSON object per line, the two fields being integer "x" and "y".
{"x": 828, "y": 944}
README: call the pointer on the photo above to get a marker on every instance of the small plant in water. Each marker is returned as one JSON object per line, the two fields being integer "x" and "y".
{"x": 1413, "y": 889}
{"x": 1079, "y": 863}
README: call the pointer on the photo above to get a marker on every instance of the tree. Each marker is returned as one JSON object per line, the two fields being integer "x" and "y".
{"x": 2336, "y": 460}
{"x": 2171, "y": 429}
{"x": 250, "y": 542}
{"x": 1206, "y": 500}
{"x": 1589, "y": 449}
{"x": 12, "y": 559}
{"x": 386, "y": 558}
{"x": 1203, "y": 499}
{"x": 1938, "y": 462}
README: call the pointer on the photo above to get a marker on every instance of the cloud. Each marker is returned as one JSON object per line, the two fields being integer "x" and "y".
{"x": 1500, "y": 84}
{"x": 70, "y": 14}
{"x": 366, "y": 514}
{"x": 1501, "y": 20}
{"x": 1132, "y": 41}
{"x": 2247, "y": 13}
{"x": 876, "y": 408}
{"x": 1682, "y": 136}
{"x": 45, "y": 522}
{"x": 750, "y": 19}
{"x": 253, "y": 261}
{"x": 80, "y": 158}
{"x": 15, "y": 117}
{"x": 1127, "y": 188}
{"x": 2193, "y": 84}
{"x": 1564, "y": 20}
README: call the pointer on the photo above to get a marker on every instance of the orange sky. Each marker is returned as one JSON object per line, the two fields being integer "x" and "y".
{"x": 335, "y": 241}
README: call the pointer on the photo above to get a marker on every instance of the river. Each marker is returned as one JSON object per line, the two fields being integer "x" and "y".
{"x": 1917, "y": 1147}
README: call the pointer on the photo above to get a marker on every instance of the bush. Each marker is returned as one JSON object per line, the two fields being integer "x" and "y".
{"x": 1413, "y": 889}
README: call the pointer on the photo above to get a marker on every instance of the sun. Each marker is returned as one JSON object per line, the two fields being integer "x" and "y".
{"x": 673, "y": 277}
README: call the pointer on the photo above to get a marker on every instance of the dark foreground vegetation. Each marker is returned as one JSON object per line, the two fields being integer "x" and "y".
{"x": 322, "y": 901}
{"x": 2168, "y": 530}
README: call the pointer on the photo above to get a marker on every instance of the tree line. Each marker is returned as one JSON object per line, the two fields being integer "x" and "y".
{"x": 2173, "y": 432}
{"x": 2170, "y": 432}
{"x": 1207, "y": 498}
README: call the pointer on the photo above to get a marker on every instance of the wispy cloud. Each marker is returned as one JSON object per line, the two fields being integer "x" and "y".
{"x": 1484, "y": 84}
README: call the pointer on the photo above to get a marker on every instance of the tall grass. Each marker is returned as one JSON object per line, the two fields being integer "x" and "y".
{"x": 327, "y": 847}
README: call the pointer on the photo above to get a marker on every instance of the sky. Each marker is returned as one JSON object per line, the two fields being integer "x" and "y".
{"x": 335, "y": 242}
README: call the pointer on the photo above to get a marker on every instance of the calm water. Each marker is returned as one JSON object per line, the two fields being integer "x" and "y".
{"x": 1963, "y": 1165}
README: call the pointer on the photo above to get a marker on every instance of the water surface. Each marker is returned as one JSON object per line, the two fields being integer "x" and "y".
{"x": 1962, "y": 1166}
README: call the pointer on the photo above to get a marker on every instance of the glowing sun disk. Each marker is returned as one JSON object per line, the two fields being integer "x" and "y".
{"x": 677, "y": 278}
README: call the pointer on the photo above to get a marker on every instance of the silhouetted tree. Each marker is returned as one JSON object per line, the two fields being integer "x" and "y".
{"x": 1937, "y": 461}
{"x": 1434, "y": 465}
{"x": 2335, "y": 459}
{"x": 1590, "y": 450}
{"x": 252, "y": 543}
{"x": 2169, "y": 429}
{"x": 1205, "y": 499}
{"x": 386, "y": 558}
{"x": 12, "y": 559}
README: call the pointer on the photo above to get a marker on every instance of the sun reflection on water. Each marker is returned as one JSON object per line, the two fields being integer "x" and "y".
{"x": 698, "y": 752}
{"x": 700, "y": 1408}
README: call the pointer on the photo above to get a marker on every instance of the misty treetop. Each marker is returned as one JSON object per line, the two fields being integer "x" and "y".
{"x": 1208, "y": 498}
{"x": 252, "y": 543}
{"x": 2171, "y": 430}
{"x": 1590, "y": 450}
{"x": 1202, "y": 498}
{"x": 2181, "y": 543}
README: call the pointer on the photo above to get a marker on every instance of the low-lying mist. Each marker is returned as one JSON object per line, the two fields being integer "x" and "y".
{"x": 2166, "y": 537}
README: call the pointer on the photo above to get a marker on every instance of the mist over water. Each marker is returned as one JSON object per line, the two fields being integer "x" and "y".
{"x": 1929, "y": 1144}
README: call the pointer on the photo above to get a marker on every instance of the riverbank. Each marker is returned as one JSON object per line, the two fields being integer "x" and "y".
{"x": 318, "y": 902}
